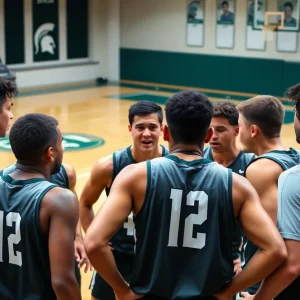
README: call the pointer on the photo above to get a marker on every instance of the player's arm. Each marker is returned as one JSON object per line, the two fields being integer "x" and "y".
{"x": 263, "y": 175}
{"x": 288, "y": 224}
{"x": 260, "y": 230}
{"x": 100, "y": 178}
{"x": 110, "y": 218}
{"x": 80, "y": 254}
{"x": 59, "y": 209}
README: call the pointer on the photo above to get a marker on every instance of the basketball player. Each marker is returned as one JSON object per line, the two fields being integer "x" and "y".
{"x": 223, "y": 150}
{"x": 184, "y": 208}
{"x": 284, "y": 283}
{"x": 66, "y": 178}
{"x": 145, "y": 126}
{"x": 260, "y": 122}
{"x": 7, "y": 90}
{"x": 38, "y": 219}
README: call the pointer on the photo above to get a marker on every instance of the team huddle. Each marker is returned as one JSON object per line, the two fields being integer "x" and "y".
{"x": 187, "y": 221}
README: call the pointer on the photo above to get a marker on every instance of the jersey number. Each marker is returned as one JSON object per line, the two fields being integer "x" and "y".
{"x": 15, "y": 257}
{"x": 193, "y": 219}
{"x": 129, "y": 225}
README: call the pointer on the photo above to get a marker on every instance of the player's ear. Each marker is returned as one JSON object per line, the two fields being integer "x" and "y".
{"x": 236, "y": 130}
{"x": 129, "y": 129}
{"x": 166, "y": 133}
{"x": 49, "y": 153}
{"x": 209, "y": 134}
{"x": 255, "y": 130}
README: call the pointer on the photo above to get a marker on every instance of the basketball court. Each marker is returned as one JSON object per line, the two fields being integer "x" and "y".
{"x": 94, "y": 124}
{"x": 142, "y": 61}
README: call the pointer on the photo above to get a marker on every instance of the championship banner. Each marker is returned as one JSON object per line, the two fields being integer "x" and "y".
{"x": 45, "y": 30}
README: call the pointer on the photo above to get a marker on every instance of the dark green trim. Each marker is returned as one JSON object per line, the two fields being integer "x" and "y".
{"x": 128, "y": 149}
{"x": 66, "y": 175}
{"x": 200, "y": 161}
{"x": 164, "y": 151}
{"x": 230, "y": 186}
{"x": 114, "y": 173}
{"x": 38, "y": 206}
{"x": 148, "y": 187}
{"x": 12, "y": 181}
{"x": 227, "y": 73}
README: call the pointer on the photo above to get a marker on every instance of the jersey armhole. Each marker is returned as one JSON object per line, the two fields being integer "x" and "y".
{"x": 65, "y": 175}
{"x": 230, "y": 186}
{"x": 38, "y": 206}
{"x": 114, "y": 158}
{"x": 148, "y": 187}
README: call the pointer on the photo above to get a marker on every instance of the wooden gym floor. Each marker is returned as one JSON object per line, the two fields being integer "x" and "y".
{"x": 99, "y": 111}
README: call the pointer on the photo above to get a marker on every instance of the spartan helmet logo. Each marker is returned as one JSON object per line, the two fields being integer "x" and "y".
{"x": 41, "y": 38}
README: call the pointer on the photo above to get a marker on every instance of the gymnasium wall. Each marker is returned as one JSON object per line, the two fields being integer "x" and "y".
{"x": 81, "y": 50}
{"x": 153, "y": 49}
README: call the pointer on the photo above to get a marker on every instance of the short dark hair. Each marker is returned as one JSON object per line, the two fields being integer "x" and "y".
{"x": 289, "y": 4}
{"x": 225, "y": 3}
{"x": 294, "y": 94}
{"x": 267, "y": 112}
{"x": 143, "y": 108}
{"x": 31, "y": 135}
{"x": 227, "y": 109}
{"x": 7, "y": 90}
{"x": 188, "y": 115}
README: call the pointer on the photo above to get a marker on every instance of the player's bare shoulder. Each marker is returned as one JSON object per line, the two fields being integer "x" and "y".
{"x": 103, "y": 170}
{"x": 59, "y": 199}
{"x": 263, "y": 168}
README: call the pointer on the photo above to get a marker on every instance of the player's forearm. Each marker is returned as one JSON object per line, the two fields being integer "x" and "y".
{"x": 66, "y": 288}
{"x": 277, "y": 282}
{"x": 260, "y": 266}
{"x": 103, "y": 261}
{"x": 86, "y": 216}
{"x": 78, "y": 231}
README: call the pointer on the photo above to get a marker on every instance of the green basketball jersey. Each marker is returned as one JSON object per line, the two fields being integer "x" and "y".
{"x": 123, "y": 240}
{"x": 24, "y": 257}
{"x": 238, "y": 166}
{"x": 60, "y": 178}
{"x": 287, "y": 160}
{"x": 184, "y": 230}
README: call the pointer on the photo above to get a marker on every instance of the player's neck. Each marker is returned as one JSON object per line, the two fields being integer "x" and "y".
{"x": 267, "y": 145}
{"x": 227, "y": 157}
{"x": 186, "y": 152}
{"x": 26, "y": 171}
{"x": 140, "y": 156}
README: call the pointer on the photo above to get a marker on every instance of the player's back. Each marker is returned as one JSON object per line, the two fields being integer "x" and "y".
{"x": 24, "y": 257}
{"x": 123, "y": 241}
{"x": 184, "y": 230}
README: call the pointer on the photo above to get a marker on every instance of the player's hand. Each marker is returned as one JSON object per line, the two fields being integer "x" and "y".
{"x": 128, "y": 295}
{"x": 80, "y": 255}
{"x": 237, "y": 266}
{"x": 246, "y": 296}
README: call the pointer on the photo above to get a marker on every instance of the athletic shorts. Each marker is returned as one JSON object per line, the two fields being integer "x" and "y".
{"x": 100, "y": 288}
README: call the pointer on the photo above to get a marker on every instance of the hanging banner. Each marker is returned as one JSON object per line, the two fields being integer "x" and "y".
{"x": 195, "y": 23}
{"x": 225, "y": 24}
{"x": 255, "y": 38}
{"x": 45, "y": 30}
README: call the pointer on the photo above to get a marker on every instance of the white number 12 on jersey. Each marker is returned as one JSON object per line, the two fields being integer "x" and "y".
{"x": 193, "y": 219}
{"x": 15, "y": 257}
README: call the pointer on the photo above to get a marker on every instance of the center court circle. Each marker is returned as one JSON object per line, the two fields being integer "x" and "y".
{"x": 71, "y": 142}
